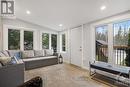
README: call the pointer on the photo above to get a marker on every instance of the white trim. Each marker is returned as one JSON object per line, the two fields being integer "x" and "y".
{"x": 82, "y": 45}
{"x": 22, "y": 29}
{"x": 22, "y": 40}
{"x": 50, "y": 33}
{"x": 84, "y": 67}
{"x": 112, "y": 19}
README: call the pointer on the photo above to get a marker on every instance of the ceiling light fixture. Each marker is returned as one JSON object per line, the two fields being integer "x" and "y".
{"x": 28, "y": 12}
{"x": 103, "y": 7}
{"x": 60, "y": 25}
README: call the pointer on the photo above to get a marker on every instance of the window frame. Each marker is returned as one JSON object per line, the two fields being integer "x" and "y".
{"x": 108, "y": 21}
{"x": 19, "y": 39}
{"x": 41, "y": 32}
{"x": 61, "y": 47}
{"x": 22, "y": 29}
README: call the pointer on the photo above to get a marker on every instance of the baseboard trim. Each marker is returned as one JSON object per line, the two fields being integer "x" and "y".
{"x": 84, "y": 67}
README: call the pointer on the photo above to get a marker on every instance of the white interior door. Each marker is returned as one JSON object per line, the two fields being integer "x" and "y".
{"x": 76, "y": 46}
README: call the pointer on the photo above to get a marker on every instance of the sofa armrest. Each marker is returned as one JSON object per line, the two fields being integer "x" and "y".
{"x": 35, "y": 82}
{"x": 12, "y": 75}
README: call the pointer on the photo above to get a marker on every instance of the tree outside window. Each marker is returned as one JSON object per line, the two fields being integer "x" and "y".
{"x": 122, "y": 42}
{"x": 45, "y": 41}
{"x": 54, "y": 42}
{"x": 63, "y": 42}
{"x": 28, "y": 40}
{"x": 13, "y": 39}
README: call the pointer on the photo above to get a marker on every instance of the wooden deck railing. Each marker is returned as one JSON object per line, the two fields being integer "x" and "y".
{"x": 120, "y": 53}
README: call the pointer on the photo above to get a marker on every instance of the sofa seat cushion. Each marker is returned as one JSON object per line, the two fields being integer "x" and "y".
{"x": 38, "y": 58}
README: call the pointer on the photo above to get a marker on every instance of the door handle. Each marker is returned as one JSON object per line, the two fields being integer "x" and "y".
{"x": 80, "y": 49}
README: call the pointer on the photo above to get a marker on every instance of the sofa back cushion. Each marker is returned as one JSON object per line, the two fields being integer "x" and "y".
{"x": 12, "y": 53}
{"x": 38, "y": 53}
{"x": 28, "y": 54}
{"x": 49, "y": 52}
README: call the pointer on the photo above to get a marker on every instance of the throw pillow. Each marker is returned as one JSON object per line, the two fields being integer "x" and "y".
{"x": 38, "y": 53}
{"x": 14, "y": 60}
{"x": 49, "y": 52}
{"x": 5, "y": 60}
{"x": 6, "y": 53}
{"x": 17, "y": 55}
{"x": 2, "y": 54}
{"x": 28, "y": 54}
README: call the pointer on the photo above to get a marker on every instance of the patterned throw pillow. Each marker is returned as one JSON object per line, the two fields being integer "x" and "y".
{"x": 38, "y": 53}
{"x": 28, "y": 54}
{"x": 14, "y": 60}
{"x": 17, "y": 55}
{"x": 49, "y": 52}
{"x": 2, "y": 54}
{"x": 6, "y": 53}
{"x": 5, "y": 60}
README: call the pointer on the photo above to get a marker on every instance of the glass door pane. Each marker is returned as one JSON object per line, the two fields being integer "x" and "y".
{"x": 122, "y": 43}
{"x": 102, "y": 44}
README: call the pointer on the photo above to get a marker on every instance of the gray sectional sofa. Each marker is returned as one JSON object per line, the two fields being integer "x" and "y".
{"x": 34, "y": 58}
{"x": 14, "y": 62}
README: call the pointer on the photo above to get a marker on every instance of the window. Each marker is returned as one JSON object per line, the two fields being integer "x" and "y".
{"x": 121, "y": 44}
{"x": 63, "y": 42}
{"x": 45, "y": 41}
{"x": 54, "y": 42}
{"x": 102, "y": 43}
{"x": 13, "y": 39}
{"x": 28, "y": 40}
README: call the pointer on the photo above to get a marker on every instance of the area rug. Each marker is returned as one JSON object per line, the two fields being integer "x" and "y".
{"x": 63, "y": 75}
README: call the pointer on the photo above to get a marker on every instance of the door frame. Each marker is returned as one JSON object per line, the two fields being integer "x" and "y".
{"x": 81, "y": 45}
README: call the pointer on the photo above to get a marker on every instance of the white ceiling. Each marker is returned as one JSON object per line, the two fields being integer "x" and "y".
{"x": 70, "y": 13}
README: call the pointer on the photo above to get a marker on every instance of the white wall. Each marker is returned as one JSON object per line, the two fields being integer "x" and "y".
{"x": 89, "y": 37}
{"x": 23, "y": 25}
